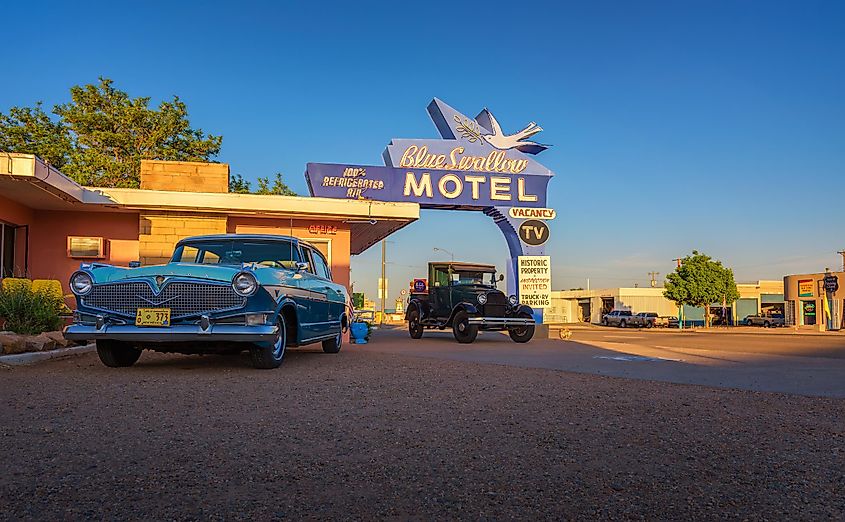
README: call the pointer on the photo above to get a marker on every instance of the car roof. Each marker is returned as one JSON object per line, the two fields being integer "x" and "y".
{"x": 465, "y": 266}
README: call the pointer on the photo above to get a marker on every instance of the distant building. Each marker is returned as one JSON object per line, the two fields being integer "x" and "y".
{"x": 804, "y": 296}
{"x": 577, "y": 306}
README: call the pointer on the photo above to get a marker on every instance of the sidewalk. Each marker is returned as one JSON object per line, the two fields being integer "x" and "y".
{"x": 730, "y": 330}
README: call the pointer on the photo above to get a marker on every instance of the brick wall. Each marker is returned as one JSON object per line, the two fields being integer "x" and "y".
{"x": 184, "y": 176}
{"x": 160, "y": 231}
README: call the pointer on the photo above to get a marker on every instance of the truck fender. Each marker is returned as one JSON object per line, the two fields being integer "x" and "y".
{"x": 420, "y": 306}
{"x": 469, "y": 308}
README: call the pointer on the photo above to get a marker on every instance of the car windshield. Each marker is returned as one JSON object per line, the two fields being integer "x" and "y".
{"x": 277, "y": 254}
{"x": 473, "y": 277}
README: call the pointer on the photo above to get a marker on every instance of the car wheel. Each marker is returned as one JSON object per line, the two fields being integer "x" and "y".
{"x": 266, "y": 356}
{"x": 415, "y": 329}
{"x": 604, "y": 321}
{"x": 649, "y": 324}
{"x": 766, "y": 324}
{"x": 116, "y": 354}
{"x": 623, "y": 324}
{"x": 333, "y": 345}
{"x": 748, "y": 322}
{"x": 464, "y": 332}
{"x": 522, "y": 334}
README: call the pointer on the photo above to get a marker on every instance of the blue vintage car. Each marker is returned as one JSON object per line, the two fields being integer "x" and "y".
{"x": 218, "y": 294}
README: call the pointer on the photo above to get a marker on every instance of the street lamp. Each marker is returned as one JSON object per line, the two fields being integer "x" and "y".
{"x": 435, "y": 249}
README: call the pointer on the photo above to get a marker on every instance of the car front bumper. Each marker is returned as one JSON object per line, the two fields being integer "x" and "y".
{"x": 501, "y": 322}
{"x": 173, "y": 334}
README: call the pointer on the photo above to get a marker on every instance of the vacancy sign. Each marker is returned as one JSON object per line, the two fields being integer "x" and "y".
{"x": 535, "y": 281}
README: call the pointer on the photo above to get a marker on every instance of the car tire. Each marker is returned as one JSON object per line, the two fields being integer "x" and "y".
{"x": 266, "y": 356}
{"x": 623, "y": 324}
{"x": 748, "y": 322}
{"x": 604, "y": 321}
{"x": 522, "y": 334}
{"x": 333, "y": 345}
{"x": 649, "y": 324}
{"x": 415, "y": 329}
{"x": 766, "y": 324}
{"x": 116, "y": 354}
{"x": 464, "y": 332}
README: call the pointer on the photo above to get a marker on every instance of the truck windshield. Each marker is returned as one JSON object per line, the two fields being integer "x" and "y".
{"x": 473, "y": 278}
{"x": 278, "y": 254}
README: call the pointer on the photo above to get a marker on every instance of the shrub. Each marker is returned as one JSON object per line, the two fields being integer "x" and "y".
{"x": 29, "y": 311}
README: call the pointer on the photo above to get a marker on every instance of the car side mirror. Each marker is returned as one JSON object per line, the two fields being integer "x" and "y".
{"x": 501, "y": 277}
{"x": 301, "y": 266}
{"x": 134, "y": 264}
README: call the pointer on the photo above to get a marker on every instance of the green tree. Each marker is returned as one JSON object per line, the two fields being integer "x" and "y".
{"x": 238, "y": 185}
{"x": 102, "y": 135}
{"x": 30, "y": 130}
{"x": 701, "y": 281}
{"x": 277, "y": 187}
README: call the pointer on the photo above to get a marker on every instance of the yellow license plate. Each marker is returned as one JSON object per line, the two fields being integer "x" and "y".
{"x": 152, "y": 317}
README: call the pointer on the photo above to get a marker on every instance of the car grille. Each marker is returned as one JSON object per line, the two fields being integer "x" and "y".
{"x": 182, "y": 298}
{"x": 496, "y": 305}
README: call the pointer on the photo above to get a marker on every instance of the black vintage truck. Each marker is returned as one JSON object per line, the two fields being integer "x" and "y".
{"x": 464, "y": 297}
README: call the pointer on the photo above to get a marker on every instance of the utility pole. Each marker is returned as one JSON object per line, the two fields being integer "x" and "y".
{"x": 653, "y": 276}
{"x": 383, "y": 278}
{"x": 842, "y": 253}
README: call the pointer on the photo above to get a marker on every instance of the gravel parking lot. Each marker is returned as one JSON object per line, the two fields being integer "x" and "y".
{"x": 366, "y": 434}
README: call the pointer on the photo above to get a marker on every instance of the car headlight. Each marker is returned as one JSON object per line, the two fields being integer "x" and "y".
{"x": 513, "y": 300}
{"x": 81, "y": 283}
{"x": 482, "y": 299}
{"x": 244, "y": 284}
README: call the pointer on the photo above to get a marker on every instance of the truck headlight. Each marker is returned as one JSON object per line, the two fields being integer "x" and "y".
{"x": 81, "y": 283}
{"x": 513, "y": 300}
{"x": 244, "y": 284}
{"x": 482, "y": 299}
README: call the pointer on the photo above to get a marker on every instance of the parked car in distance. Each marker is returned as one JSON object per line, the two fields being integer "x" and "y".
{"x": 765, "y": 321}
{"x": 644, "y": 320}
{"x": 620, "y": 318}
{"x": 667, "y": 321}
{"x": 218, "y": 294}
{"x": 464, "y": 297}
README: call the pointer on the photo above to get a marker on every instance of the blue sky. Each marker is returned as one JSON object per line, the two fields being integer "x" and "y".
{"x": 717, "y": 126}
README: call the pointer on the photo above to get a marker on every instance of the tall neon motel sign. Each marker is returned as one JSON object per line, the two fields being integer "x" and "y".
{"x": 474, "y": 166}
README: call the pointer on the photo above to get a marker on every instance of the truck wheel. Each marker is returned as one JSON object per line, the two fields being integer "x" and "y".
{"x": 522, "y": 334}
{"x": 415, "y": 329}
{"x": 266, "y": 356}
{"x": 116, "y": 354}
{"x": 465, "y": 333}
{"x": 623, "y": 324}
{"x": 333, "y": 345}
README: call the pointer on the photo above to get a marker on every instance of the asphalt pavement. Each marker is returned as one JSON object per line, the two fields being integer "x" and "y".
{"x": 747, "y": 359}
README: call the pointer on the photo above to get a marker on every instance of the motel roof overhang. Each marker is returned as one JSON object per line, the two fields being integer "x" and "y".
{"x": 29, "y": 181}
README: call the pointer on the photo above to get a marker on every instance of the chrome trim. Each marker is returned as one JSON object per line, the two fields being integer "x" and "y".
{"x": 500, "y": 321}
{"x": 178, "y": 333}
{"x": 125, "y": 301}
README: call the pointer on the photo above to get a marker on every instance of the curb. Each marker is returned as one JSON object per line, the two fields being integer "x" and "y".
{"x": 21, "y": 359}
